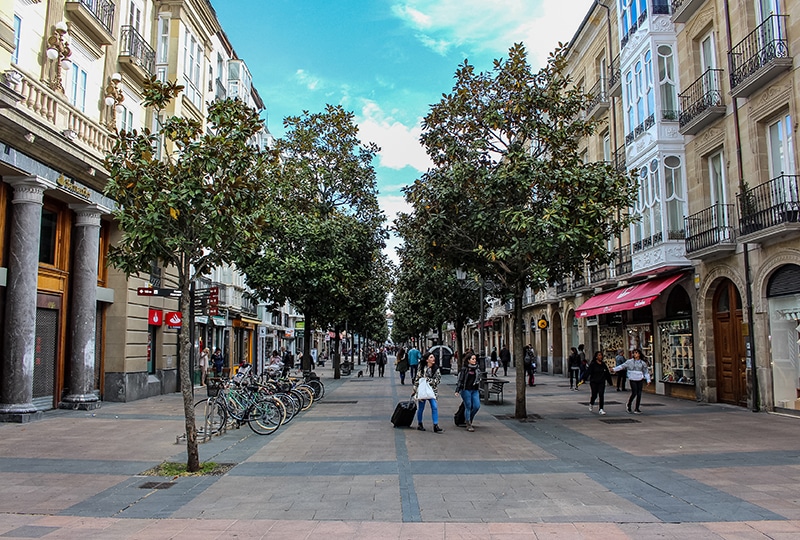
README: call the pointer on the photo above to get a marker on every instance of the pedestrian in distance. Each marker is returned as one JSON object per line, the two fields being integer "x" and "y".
{"x": 288, "y": 362}
{"x": 505, "y": 359}
{"x": 401, "y": 364}
{"x": 574, "y": 365}
{"x": 584, "y": 363}
{"x": 529, "y": 363}
{"x": 622, "y": 374}
{"x": 205, "y": 357}
{"x": 372, "y": 361}
{"x": 493, "y": 363}
{"x": 469, "y": 380}
{"x": 430, "y": 372}
{"x": 383, "y": 359}
{"x": 638, "y": 373}
{"x": 218, "y": 361}
{"x": 598, "y": 374}
{"x": 413, "y": 361}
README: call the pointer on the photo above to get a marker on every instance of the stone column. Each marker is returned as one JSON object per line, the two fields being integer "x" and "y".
{"x": 83, "y": 324}
{"x": 16, "y": 384}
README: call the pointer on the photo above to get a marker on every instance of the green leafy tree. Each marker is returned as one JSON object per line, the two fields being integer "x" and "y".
{"x": 331, "y": 226}
{"x": 192, "y": 208}
{"x": 510, "y": 198}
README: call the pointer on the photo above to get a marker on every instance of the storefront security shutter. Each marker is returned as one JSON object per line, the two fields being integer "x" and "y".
{"x": 786, "y": 280}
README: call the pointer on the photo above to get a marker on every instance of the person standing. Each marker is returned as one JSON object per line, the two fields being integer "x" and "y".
{"x": 288, "y": 362}
{"x": 413, "y": 361}
{"x": 382, "y": 361}
{"x": 622, "y": 375}
{"x": 218, "y": 361}
{"x": 372, "y": 361}
{"x": 584, "y": 363}
{"x": 430, "y": 371}
{"x": 638, "y": 373}
{"x": 401, "y": 364}
{"x": 574, "y": 365}
{"x": 493, "y": 363}
{"x": 505, "y": 359}
{"x": 598, "y": 374}
{"x": 205, "y": 356}
{"x": 469, "y": 380}
{"x": 529, "y": 363}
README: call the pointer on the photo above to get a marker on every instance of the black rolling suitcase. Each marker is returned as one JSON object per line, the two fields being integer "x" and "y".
{"x": 459, "y": 417}
{"x": 403, "y": 414}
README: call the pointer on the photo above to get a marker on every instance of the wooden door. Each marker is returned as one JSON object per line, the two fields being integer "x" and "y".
{"x": 729, "y": 349}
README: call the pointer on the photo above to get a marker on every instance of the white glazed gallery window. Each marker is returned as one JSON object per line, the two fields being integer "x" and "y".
{"x": 781, "y": 155}
{"x": 17, "y": 33}
{"x": 192, "y": 58}
{"x": 77, "y": 92}
{"x": 674, "y": 197}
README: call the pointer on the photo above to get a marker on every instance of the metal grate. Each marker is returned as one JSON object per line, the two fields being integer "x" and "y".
{"x": 512, "y": 417}
{"x": 44, "y": 363}
{"x": 336, "y": 402}
{"x": 157, "y": 485}
{"x": 620, "y": 421}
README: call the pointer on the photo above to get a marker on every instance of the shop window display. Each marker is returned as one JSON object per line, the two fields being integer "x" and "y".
{"x": 677, "y": 352}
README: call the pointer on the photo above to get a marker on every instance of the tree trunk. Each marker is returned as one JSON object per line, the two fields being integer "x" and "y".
{"x": 187, "y": 385}
{"x": 306, "y": 362}
{"x": 337, "y": 373}
{"x": 520, "y": 410}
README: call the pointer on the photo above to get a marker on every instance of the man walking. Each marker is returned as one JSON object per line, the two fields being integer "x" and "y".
{"x": 505, "y": 359}
{"x": 413, "y": 361}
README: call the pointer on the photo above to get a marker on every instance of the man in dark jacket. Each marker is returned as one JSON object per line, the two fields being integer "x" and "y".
{"x": 505, "y": 359}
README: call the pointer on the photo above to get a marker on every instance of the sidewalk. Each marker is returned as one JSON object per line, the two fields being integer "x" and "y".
{"x": 340, "y": 470}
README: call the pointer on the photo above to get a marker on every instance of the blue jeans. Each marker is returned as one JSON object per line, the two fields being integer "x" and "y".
{"x": 434, "y": 410}
{"x": 472, "y": 402}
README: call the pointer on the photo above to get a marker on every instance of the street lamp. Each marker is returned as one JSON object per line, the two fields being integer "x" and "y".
{"x": 477, "y": 282}
{"x": 58, "y": 52}
{"x": 114, "y": 99}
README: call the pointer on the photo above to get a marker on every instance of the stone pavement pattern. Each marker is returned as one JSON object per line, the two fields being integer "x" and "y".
{"x": 680, "y": 470}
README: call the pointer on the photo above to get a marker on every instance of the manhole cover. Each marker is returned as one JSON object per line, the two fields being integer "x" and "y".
{"x": 326, "y": 402}
{"x": 607, "y": 403}
{"x": 530, "y": 418}
{"x": 157, "y": 485}
{"x": 620, "y": 421}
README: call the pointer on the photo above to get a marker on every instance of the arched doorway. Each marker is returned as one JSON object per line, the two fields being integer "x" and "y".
{"x": 558, "y": 352}
{"x": 729, "y": 350}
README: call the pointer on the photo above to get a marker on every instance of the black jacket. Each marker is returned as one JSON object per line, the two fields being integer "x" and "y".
{"x": 462, "y": 378}
{"x": 597, "y": 373}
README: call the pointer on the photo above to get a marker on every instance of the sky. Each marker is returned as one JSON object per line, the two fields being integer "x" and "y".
{"x": 386, "y": 61}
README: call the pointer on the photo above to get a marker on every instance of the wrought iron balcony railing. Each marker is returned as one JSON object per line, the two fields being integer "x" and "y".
{"x": 710, "y": 227}
{"x": 765, "y": 43}
{"x": 620, "y": 159}
{"x": 597, "y": 94}
{"x": 132, "y": 44}
{"x": 623, "y": 261}
{"x": 614, "y": 72}
{"x": 701, "y": 95}
{"x": 769, "y": 204}
{"x": 102, "y": 10}
{"x": 640, "y": 129}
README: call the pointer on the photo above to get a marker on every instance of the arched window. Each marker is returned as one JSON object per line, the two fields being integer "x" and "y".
{"x": 674, "y": 196}
{"x": 649, "y": 90}
{"x": 666, "y": 81}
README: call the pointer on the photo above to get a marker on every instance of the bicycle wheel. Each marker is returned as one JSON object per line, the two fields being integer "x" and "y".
{"x": 307, "y": 393}
{"x": 317, "y": 387}
{"x": 265, "y": 416}
{"x": 209, "y": 417}
{"x": 291, "y": 403}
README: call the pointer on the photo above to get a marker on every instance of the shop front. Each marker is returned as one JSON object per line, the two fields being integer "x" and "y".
{"x": 783, "y": 295}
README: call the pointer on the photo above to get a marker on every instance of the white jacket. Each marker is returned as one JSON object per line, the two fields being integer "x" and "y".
{"x": 637, "y": 370}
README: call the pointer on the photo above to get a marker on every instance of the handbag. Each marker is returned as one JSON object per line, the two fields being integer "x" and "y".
{"x": 424, "y": 390}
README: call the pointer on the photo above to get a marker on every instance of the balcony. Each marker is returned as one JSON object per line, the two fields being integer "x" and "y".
{"x": 640, "y": 130}
{"x": 135, "y": 54}
{"x": 682, "y": 10}
{"x": 219, "y": 90}
{"x": 655, "y": 252}
{"x": 709, "y": 233}
{"x": 95, "y": 17}
{"x": 598, "y": 99}
{"x": 770, "y": 211}
{"x": 620, "y": 159}
{"x": 615, "y": 78}
{"x": 623, "y": 261}
{"x": 701, "y": 103}
{"x": 661, "y": 7}
{"x": 760, "y": 57}
{"x": 599, "y": 275}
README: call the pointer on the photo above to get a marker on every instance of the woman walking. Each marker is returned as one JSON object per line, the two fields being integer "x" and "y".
{"x": 574, "y": 365}
{"x": 469, "y": 379}
{"x": 638, "y": 372}
{"x": 430, "y": 372}
{"x": 205, "y": 357}
{"x": 401, "y": 365}
{"x": 598, "y": 375}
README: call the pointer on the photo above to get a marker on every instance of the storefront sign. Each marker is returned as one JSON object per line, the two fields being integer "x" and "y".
{"x": 174, "y": 319}
{"x": 68, "y": 184}
{"x": 155, "y": 317}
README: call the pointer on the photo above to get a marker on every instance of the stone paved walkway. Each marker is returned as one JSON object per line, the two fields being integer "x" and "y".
{"x": 340, "y": 470}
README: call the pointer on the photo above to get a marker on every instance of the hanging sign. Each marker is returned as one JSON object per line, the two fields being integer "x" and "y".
{"x": 174, "y": 319}
{"x": 155, "y": 317}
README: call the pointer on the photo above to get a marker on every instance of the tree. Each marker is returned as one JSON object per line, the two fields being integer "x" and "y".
{"x": 509, "y": 197}
{"x": 190, "y": 209}
{"x": 331, "y": 225}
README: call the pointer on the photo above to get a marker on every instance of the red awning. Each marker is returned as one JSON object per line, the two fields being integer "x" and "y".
{"x": 635, "y": 296}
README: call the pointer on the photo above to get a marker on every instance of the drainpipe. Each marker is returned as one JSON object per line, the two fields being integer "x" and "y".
{"x": 749, "y": 343}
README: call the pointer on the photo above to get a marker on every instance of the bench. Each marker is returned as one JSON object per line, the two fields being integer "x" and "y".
{"x": 493, "y": 386}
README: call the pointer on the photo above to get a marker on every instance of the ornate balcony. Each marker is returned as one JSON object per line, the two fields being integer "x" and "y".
{"x": 771, "y": 210}
{"x": 640, "y": 130}
{"x": 620, "y": 159}
{"x": 135, "y": 54}
{"x": 701, "y": 103}
{"x": 615, "y": 77}
{"x": 682, "y": 10}
{"x": 709, "y": 233}
{"x": 95, "y": 17}
{"x": 598, "y": 99}
{"x": 760, "y": 57}
{"x": 623, "y": 261}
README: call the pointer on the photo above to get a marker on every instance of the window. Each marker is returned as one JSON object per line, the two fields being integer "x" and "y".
{"x": 135, "y": 17}
{"x": 77, "y": 95}
{"x": 606, "y": 147}
{"x": 629, "y": 97}
{"x": 639, "y": 94}
{"x": 666, "y": 82}
{"x": 126, "y": 119}
{"x": 648, "y": 90}
{"x": 779, "y": 143}
{"x": 674, "y": 196}
{"x": 716, "y": 178}
{"x": 47, "y": 243}
{"x": 163, "y": 40}
{"x": 17, "y": 33}
{"x": 192, "y": 58}
{"x": 647, "y": 231}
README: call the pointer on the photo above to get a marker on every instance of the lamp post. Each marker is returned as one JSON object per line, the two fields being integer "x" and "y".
{"x": 58, "y": 52}
{"x": 482, "y": 286}
{"x": 114, "y": 99}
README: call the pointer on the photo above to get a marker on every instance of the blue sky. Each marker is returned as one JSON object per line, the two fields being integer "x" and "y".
{"x": 385, "y": 60}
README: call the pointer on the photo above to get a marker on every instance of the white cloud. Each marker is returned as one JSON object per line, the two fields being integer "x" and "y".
{"x": 400, "y": 146}
{"x": 309, "y": 81}
{"x": 492, "y": 27}
{"x": 391, "y": 206}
